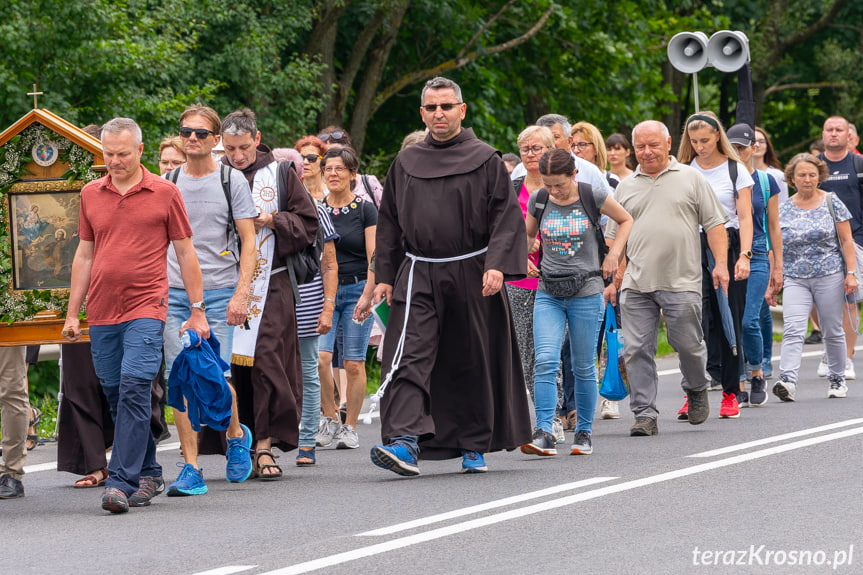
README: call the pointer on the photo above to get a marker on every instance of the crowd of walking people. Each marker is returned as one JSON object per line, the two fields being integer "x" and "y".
{"x": 497, "y": 271}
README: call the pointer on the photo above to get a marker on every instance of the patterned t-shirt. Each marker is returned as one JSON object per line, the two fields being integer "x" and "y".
{"x": 809, "y": 245}
{"x": 568, "y": 241}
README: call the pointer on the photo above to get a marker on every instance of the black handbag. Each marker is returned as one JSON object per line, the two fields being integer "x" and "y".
{"x": 566, "y": 285}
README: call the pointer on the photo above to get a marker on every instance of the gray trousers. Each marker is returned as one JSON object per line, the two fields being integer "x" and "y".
{"x": 828, "y": 293}
{"x": 14, "y": 410}
{"x": 682, "y": 312}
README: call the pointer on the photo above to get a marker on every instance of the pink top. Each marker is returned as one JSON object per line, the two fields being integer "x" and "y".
{"x": 526, "y": 283}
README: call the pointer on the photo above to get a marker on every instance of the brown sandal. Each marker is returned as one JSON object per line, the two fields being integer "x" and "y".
{"x": 259, "y": 467}
{"x": 92, "y": 480}
{"x": 35, "y": 419}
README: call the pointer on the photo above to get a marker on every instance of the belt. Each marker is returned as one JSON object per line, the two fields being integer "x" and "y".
{"x": 397, "y": 356}
{"x": 349, "y": 280}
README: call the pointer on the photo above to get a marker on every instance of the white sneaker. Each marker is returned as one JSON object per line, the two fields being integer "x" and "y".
{"x": 849, "y": 369}
{"x": 609, "y": 409}
{"x": 822, "y": 367}
{"x": 346, "y": 438}
{"x": 557, "y": 430}
{"x": 838, "y": 389}
{"x": 326, "y": 430}
{"x": 784, "y": 390}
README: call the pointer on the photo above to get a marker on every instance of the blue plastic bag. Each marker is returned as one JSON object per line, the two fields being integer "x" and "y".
{"x": 614, "y": 386}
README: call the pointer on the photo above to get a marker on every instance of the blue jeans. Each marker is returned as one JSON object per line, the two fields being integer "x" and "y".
{"x": 355, "y": 337}
{"x": 766, "y": 321}
{"x": 568, "y": 382}
{"x": 126, "y": 357}
{"x": 753, "y": 339}
{"x": 311, "y": 391}
{"x": 179, "y": 311}
{"x": 584, "y": 315}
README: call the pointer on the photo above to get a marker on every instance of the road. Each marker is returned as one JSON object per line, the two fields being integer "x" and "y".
{"x": 776, "y": 491}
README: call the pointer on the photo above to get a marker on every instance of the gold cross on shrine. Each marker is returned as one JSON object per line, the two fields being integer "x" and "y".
{"x": 35, "y": 94}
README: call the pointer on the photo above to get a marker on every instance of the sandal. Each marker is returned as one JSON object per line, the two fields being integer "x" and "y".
{"x": 306, "y": 457}
{"x": 259, "y": 467}
{"x": 569, "y": 423}
{"x": 91, "y": 480}
{"x": 33, "y": 438}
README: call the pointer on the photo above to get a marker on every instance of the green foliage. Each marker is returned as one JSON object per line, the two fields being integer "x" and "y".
{"x": 43, "y": 379}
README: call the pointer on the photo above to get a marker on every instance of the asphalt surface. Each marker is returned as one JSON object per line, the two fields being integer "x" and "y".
{"x": 786, "y": 504}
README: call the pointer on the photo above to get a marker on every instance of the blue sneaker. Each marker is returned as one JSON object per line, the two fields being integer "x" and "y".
{"x": 189, "y": 482}
{"x": 239, "y": 456}
{"x": 396, "y": 458}
{"x": 472, "y": 462}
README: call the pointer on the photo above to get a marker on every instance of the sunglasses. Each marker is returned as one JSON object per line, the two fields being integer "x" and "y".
{"x": 338, "y": 135}
{"x": 312, "y": 158}
{"x": 200, "y": 133}
{"x": 444, "y": 107}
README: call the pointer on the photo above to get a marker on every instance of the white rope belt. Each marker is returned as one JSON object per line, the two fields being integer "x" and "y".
{"x": 397, "y": 356}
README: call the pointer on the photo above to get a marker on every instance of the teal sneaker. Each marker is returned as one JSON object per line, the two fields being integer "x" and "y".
{"x": 472, "y": 462}
{"x": 239, "y": 456}
{"x": 396, "y": 458}
{"x": 189, "y": 482}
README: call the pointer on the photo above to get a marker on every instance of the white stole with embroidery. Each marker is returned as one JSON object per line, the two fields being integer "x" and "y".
{"x": 266, "y": 198}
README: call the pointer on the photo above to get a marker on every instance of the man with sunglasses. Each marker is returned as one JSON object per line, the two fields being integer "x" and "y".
{"x": 451, "y": 230}
{"x": 221, "y": 212}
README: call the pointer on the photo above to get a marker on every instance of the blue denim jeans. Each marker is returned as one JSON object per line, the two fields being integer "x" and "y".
{"x": 126, "y": 357}
{"x": 311, "y": 391}
{"x": 179, "y": 311}
{"x": 551, "y": 315}
{"x": 355, "y": 337}
{"x": 753, "y": 338}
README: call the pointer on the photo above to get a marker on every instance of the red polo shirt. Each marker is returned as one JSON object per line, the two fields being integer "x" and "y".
{"x": 131, "y": 233}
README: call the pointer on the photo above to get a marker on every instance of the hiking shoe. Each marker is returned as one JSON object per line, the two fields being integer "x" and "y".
{"x": 838, "y": 389}
{"x": 699, "y": 407}
{"x": 742, "y": 399}
{"x": 472, "y": 462}
{"x": 644, "y": 426}
{"x": 814, "y": 337}
{"x": 395, "y": 457}
{"x": 683, "y": 412}
{"x": 542, "y": 444}
{"x": 115, "y": 501}
{"x": 849, "y": 369}
{"x": 148, "y": 488}
{"x": 239, "y": 454}
{"x": 346, "y": 438}
{"x": 758, "y": 392}
{"x": 581, "y": 444}
{"x": 326, "y": 431}
{"x": 10, "y": 488}
{"x": 729, "y": 408}
{"x": 714, "y": 385}
{"x": 557, "y": 430}
{"x": 189, "y": 482}
{"x": 822, "y": 366}
{"x": 784, "y": 389}
{"x": 609, "y": 409}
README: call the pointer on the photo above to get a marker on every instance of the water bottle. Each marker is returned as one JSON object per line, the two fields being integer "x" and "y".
{"x": 189, "y": 338}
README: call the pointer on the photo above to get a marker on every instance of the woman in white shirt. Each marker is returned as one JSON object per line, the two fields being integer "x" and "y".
{"x": 705, "y": 147}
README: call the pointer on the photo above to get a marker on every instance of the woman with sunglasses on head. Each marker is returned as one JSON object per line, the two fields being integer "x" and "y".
{"x": 368, "y": 186}
{"x": 355, "y": 221}
{"x": 705, "y": 147}
{"x": 765, "y": 268}
{"x": 312, "y": 149}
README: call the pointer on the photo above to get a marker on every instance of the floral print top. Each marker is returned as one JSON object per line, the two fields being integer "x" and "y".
{"x": 810, "y": 247}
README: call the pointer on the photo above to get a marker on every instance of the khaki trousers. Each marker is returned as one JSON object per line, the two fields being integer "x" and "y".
{"x": 14, "y": 411}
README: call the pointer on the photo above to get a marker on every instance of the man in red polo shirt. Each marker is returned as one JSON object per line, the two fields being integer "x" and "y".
{"x": 128, "y": 218}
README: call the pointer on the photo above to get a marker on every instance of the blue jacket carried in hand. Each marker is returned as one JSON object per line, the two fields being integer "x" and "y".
{"x": 198, "y": 375}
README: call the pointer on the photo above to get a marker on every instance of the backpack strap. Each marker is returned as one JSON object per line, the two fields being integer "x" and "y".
{"x": 858, "y": 167}
{"x": 540, "y": 204}
{"x": 765, "y": 192}
{"x": 588, "y": 201}
{"x": 173, "y": 175}
{"x": 282, "y": 174}
{"x": 830, "y": 196}
{"x": 516, "y": 186}
{"x": 370, "y": 191}
{"x": 732, "y": 171}
{"x": 225, "y": 175}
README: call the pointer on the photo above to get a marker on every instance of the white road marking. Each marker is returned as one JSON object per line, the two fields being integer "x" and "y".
{"x": 229, "y": 570}
{"x": 51, "y": 465}
{"x": 441, "y": 532}
{"x": 484, "y": 507}
{"x": 776, "y": 438}
{"x": 777, "y": 358}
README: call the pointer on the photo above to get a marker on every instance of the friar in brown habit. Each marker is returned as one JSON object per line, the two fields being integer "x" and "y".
{"x": 458, "y": 389}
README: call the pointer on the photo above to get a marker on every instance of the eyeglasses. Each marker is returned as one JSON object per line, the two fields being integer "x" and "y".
{"x": 339, "y": 170}
{"x": 312, "y": 158}
{"x": 760, "y": 142}
{"x": 337, "y": 135}
{"x": 580, "y": 145}
{"x": 444, "y": 107}
{"x": 535, "y": 150}
{"x": 200, "y": 133}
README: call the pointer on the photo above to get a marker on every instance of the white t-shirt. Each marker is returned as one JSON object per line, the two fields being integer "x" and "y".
{"x": 720, "y": 181}
{"x": 779, "y": 176}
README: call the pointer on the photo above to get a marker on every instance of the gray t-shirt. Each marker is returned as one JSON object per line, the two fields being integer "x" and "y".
{"x": 569, "y": 241}
{"x": 208, "y": 214}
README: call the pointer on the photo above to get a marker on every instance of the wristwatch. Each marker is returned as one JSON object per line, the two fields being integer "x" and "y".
{"x": 747, "y": 254}
{"x": 199, "y": 305}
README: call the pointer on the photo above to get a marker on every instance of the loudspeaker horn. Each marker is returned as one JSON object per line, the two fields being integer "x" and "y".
{"x": 728, "y": 50}
{"x": 687, "y": 51}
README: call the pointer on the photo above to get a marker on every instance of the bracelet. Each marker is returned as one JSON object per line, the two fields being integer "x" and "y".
{"x": 329, "y": 299}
